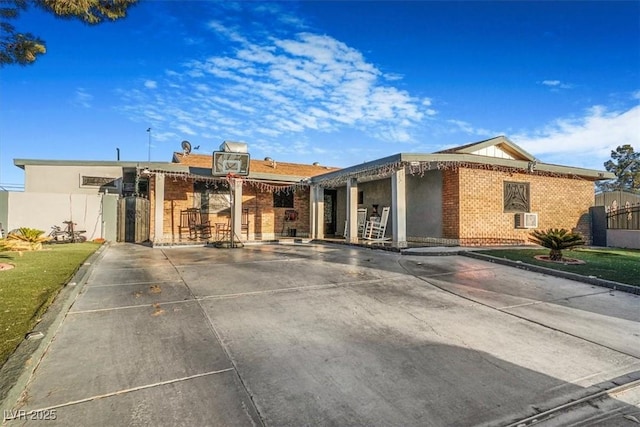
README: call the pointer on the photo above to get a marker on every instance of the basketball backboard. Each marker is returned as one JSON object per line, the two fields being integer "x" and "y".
{"x": 225, "y": 163}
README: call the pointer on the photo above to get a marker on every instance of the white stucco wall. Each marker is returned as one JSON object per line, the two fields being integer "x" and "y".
{"x": 424, "y": 205}
{"x": 68, "y": 179}
{"x": 43, "y": 210}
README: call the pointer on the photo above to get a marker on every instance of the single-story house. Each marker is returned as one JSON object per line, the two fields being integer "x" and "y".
{"x": 275, "y": 197}
{"x": 489, "y": 192}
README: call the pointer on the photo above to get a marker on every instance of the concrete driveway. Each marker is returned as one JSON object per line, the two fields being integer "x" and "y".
{"x": 333, "y": 335}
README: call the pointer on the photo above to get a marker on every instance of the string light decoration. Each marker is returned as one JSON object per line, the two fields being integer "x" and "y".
{"x": 416, "y": 168}
{"x": 221, "y": 182}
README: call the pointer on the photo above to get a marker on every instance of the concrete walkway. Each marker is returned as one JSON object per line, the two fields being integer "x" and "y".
{"x": 332, "y": 335}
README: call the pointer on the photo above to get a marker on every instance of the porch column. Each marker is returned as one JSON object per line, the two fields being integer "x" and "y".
{"x": 317, "y": 212}
{"x": 352, "y": 210}
{"x": 158, "y": 228}
{"x": 236, "y": 214}
{"x": 399, "y": 209}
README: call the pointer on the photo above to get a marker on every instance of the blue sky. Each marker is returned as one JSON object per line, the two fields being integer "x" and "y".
{"x": 335, "y": 82}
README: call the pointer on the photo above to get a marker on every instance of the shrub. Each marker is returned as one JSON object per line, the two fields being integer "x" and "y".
{"x": 557, "y": 240}
{"x": 5, "y": 245}
{"x": 27, "y": 239}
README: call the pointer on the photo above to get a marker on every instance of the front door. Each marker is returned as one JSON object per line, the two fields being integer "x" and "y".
{"x": 330, "y": 197}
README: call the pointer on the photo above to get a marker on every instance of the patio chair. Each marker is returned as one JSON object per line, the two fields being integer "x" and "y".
{"x": 362, "y": 219}
{"x": 375, "y": 228}
{"x": 223, "y": 229}
{"x": 191, "y": 220}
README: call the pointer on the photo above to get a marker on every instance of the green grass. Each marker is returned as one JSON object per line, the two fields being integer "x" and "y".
{"x": 619, "y": 265}
{"x": 27, "y": 290}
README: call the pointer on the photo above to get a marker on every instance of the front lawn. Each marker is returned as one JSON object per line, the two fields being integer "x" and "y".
{"x": 27, "y": 290}
{"x": 619, "y": 265}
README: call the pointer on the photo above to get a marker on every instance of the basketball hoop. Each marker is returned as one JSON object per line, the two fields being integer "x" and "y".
{"x": 225, "y": 163}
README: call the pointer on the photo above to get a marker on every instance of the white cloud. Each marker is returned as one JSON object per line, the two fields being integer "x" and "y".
{"x": 226, "y": 31}
{"x": 275, "y": 86}
{"x": 393, "y": 76}
{"x": 462, "y": 126}
{"x": 586, "y": 141}
{"x": 82, "y": 98}
{"x": 556, "y": 84}
{"x": 186, "y": 130}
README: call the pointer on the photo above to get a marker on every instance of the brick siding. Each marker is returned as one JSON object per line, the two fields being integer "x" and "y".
{"x": 265, "y": 221}
{"x": 559, "y": 202}
{"x": 450, "y": 204}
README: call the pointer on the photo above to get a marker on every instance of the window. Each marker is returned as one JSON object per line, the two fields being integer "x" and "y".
{"x": 516, "y": 196}
{"x": 361, "y": 197}
{"x": 283, "y": 199}
{"x": 212, "y": 197}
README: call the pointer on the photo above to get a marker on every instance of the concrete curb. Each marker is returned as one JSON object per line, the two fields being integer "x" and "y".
{"x": 377, "y": 246}
{"x": 17, "y": 370}
{"x": 551, "y": 272}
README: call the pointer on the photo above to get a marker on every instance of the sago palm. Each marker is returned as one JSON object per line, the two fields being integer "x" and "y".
{"x": 28, "y": 238}
{"x": 556, "y": 240}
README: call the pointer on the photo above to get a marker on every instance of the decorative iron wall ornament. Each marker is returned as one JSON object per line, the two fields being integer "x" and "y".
{"x": 516, "y": 196}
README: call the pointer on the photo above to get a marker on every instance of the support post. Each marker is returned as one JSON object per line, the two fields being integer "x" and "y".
{"x": 158, "y": 227}
{"x": 236, "y": 209}
{"x": 399, "y": 209}
{"x": 317, "y": 212}
{"x": 352, "y": 210}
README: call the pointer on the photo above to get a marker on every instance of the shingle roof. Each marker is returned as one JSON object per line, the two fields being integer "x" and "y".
{"x": 257, "y": 166}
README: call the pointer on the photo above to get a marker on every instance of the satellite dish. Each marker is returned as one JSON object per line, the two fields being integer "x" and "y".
{"x": 186, "y": 147}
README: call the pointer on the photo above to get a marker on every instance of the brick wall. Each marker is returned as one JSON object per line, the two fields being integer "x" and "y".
{"x": 450, "y": 204}
{"x": 559, "y": 202}
{"x": 265, "y": 221}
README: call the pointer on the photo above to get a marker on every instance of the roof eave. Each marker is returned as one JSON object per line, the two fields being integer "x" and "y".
{"x": 21, "y": 163}
{"x": 352, "y": 170}
{"x": 524, "y": 165}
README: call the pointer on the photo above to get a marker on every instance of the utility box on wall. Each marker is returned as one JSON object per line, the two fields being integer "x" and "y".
{"x": 526, "y": 220}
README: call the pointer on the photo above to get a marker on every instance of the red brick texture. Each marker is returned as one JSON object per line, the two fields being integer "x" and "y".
{"x": 265, "y": 221}
{"x": 450, "y": 204}
{"x": 559, "y": 202}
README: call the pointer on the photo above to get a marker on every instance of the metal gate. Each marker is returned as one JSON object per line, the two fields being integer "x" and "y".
{"x": 133, "y": 219}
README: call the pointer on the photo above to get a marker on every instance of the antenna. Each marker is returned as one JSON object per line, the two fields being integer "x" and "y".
{"x": 186, "y": 147}
{"x": 149, "y": 145}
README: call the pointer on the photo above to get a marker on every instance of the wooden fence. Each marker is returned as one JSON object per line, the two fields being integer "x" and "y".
{"x": 133, "y": 219}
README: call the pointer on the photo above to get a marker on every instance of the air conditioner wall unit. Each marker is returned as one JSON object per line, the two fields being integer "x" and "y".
{"x": 527, "y": 220}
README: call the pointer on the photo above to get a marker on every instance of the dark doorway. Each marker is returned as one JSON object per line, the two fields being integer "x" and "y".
{"x": 330, "y": 210}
